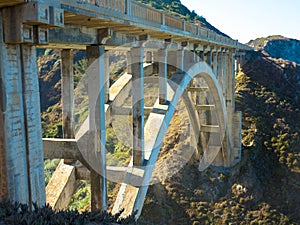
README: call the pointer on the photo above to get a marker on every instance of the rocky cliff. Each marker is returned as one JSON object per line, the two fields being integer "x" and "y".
{"x": 277, "y": 46}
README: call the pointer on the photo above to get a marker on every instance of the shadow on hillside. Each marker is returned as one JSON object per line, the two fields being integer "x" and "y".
{"x": 270, "y": 104}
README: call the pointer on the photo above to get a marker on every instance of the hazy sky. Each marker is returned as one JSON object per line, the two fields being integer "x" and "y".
{"x": 248, "y": 19}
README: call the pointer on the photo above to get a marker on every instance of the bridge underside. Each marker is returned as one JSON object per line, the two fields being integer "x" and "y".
{"x": 185, "y": 61}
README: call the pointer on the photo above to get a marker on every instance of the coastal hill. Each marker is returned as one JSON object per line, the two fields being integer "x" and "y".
{"x": 278, "y": 46}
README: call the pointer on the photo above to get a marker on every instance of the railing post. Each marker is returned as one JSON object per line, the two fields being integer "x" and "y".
{"x": 128, "y": 7}
{"x": 163, "y": 18}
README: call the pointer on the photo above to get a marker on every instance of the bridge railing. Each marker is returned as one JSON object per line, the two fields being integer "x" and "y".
{"x": 148, "y": 13}
{"x": 174, "y": 22}
{"x": 134, "y": 10}
{"x": 116, "y": 5}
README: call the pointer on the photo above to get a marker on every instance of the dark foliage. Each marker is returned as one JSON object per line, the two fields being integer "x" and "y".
{"x": 20, "y": 214}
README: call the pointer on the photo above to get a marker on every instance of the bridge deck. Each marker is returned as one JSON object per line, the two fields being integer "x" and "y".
{"x": 127, "y": 17}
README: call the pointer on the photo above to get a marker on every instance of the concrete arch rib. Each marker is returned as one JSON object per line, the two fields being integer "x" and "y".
{"x": 181, "y": 82}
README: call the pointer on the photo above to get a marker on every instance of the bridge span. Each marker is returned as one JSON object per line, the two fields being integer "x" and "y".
{"x": 185, "y": 60}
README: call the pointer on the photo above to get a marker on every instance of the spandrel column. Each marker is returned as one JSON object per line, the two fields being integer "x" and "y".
{"x": 136, "y": 56}
{"x": 97, "y": 92}
{"x": 162, "y": 74}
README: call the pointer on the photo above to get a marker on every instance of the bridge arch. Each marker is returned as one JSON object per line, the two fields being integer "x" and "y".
{"x": 180, "y": 83}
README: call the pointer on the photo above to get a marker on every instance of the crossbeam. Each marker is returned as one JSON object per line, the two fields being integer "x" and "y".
{"x": 204, "y": 107}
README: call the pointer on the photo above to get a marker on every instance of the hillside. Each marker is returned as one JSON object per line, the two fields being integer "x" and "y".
{"x": 278, "y": 46}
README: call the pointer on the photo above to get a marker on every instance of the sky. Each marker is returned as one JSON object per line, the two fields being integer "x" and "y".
{"x": 249, "y": 19}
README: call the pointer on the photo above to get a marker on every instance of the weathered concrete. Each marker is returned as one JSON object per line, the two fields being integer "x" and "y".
{"x": 31, "y": 104}
{"x": 67, "y": 92}
{"x": 163, "y": 75}
{"x": 136, "y": 55}
{"x": 61, "y": 186}
{"x": 3, "y": 170}
{"x": 97, "y": 76}
{"x": 24, "y": 154}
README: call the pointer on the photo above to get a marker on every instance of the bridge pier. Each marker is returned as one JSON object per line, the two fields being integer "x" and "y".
{"x": 137, "y": 55}
{"x": 22, "y": 147}
{"x": 62, "y": 185}
{"x": 3, "y": 166}
{"x": 67, "y": 92}
{"x": 219, "y": 62}
{"x": 97, "y": 89}
{"x": 215, "y": 62}
{"x": 163, "y": 75}
{"x": 180, "y": 60}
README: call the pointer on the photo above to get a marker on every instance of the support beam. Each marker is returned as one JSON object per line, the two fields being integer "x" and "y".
{"x": 204, "y": 107}
{"x": 61, "y": 187}
{"x": 209, "y": 57}
{"x": 127, "y": 110}
{"x": 219, "y": 70}
{"x": 32, "y": 124}
{"x": 3, "y": 170}
{"x": 224, "y": 79}
{"x": 149, "y": 57}
{"x": 230, "y": 79}
{"x": 215, "y": 63}
{"x": 136, "y": 55}
{"x": 197, "y": 89}
{"x": 67, "y": 91}
{"x": 163, "y": 75}
{"x": 210, "y": 128}
{"x": 15, "y": 150}
{"x": 55, "y": 148}
{"x": 201, "y": 55}
{"x": 129, "y": 63}
{"x": 96, "y": 92}
{"x": 180, "y": 61}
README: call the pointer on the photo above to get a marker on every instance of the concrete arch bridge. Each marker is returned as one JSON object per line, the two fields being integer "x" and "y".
{"x": 183, "y": 61}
